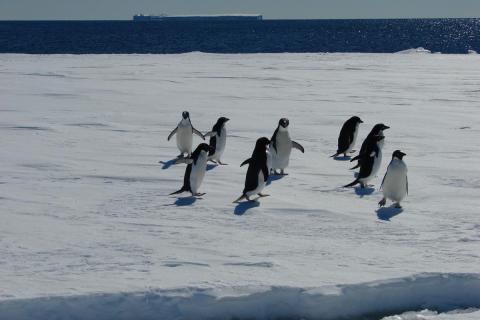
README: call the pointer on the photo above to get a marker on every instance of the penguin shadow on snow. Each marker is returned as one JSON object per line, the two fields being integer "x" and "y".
{"x": 185, "y": 201}
{"x": 387, "y": 213}
{"x": 211, "y": 166}
{"x": 362, "y": 192}
{"x": 243, "y": 207}
{"x": 168, "y": 164}
{"x": 344, "y": 158}
{"x": 274, "y": 177}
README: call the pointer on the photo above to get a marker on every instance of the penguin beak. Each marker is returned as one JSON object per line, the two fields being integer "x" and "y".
{"x": 227, "y": 119}
{"x": 403, "y": 154}
{"x": 386, "y": 127}
{"x": 360, "y": 121}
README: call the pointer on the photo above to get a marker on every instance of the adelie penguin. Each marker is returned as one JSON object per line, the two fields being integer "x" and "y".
{"x": 395, "y": 183}
{"x": 257, "y": 173}
{"x": 218, "y": 140}
{"x": 377, "y": 130}
{"x": 184, "y": 132}
{"x": 348, "y": 136}
{"x": 281, "y": 146}
{"x": 370, "y": 161}
{"x": 195, "y": 171}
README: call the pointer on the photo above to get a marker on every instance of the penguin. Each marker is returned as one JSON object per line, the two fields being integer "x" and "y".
{"x": 348, "y": 136}
{"x": 184, "y": 132}
{"x": 218, "y": 140}
{"x": 370, "y": 161}
{"x": 377, "y": 130}
{"x": 281, "y": 147}
{"x": 257, "y": 173}
{"x": 195, "y": 171}
{"x": 395, "y": 183}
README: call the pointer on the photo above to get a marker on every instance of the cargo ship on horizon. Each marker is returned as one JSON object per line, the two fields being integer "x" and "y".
{"x": 213, "y": 17}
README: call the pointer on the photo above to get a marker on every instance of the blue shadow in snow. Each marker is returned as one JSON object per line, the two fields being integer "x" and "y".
{"x": 361, "y": 192}
{"x": 243, "y": 207}
{"x": 168, "y": 164}
{"x": 274, "y": 177}
{"x": 211, "y": 166}
{"x": 185, "y": 201}
{"x": 387, "y": 213}
{"x": 338, "y": 158}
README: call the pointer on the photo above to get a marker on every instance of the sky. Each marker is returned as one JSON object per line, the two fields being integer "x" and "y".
{"x": 271, "y": 9}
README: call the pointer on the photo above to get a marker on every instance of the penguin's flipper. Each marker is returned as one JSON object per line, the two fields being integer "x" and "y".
{"x": 198, "y": 133}
{"x": 298, "y": 146}
{"x": 383, "y": 180}
{"x": 274, "y": 140}
{"x": 406, "y": 179}
{"x": 352, "y": 184}
{"x": 240, "y": 198}
{"x": 172, "y": 133}
{"x": 210, "y": 134}
{"x": 245, "y": 162}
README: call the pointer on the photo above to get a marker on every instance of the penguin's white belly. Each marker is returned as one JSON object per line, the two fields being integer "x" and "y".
{"x": 352, "y": 144}
{"x": 221, "y": 142}
{"x": 260, "y": 185}
{"x": 395, "y": 184}
{"x": 376, "y": 164}
{"x": 269, "y": 161}
{"x": 198, "y": 173}
{"x": 281, "y": 156}
{"x": 184, "y": 139}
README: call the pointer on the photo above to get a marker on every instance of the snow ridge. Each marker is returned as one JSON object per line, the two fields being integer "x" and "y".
{"x": 373, "y": 300}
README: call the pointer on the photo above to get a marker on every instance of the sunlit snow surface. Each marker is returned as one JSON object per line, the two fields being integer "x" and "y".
{"x": 84, "y": 200}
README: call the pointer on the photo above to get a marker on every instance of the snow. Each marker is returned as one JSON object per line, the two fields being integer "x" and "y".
{"x": 419, "y": 50}
{"x": 88, "y": 227}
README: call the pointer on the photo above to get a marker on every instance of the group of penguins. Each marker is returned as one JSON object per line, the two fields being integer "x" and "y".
{"x": 272, "y": 157}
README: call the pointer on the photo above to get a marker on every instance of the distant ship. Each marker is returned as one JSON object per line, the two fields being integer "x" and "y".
{"x": 219, "y": 17}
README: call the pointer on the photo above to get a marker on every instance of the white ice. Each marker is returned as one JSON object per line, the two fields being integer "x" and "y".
{"x": 84, "y": 202}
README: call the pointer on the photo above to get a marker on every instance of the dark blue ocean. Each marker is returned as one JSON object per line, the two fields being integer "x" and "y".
{"x": 81, "y": 37}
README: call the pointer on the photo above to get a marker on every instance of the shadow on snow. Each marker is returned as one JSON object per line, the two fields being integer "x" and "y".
{"x": 244, "y": 206}
{"x": 387, "y": 213}
{"x": 338, "y": 158}
{"x": 361, "y": 192}
{"x": 274, "y": 177}
{"x": 185, "y": 201}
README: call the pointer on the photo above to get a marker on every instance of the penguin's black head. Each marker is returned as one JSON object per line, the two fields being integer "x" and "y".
{"x": 356, "y": 119}
{"x": 222, "y": 120}
{"x": 398, "y": 154}
{"x": 204, "y": 147}
{"x": 185, "y": 115}
{"x": 262, "y": 143}
{"x": 379, "y": 127}
{"x": 283, "y": 122}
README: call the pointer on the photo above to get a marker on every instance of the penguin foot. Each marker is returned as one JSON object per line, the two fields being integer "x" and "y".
{"x": 241, "y": 198}
{"x": 261, "y": 195}
{"x": 382, "y": 202}
{"x": 222, "y": 164}
{"x": 213, "y": 161}
{"x": 198, "y": 194}
{"x": 397, "y": 205}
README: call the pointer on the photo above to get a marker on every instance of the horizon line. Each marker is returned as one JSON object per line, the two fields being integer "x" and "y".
{"x": 264, "y": 19}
